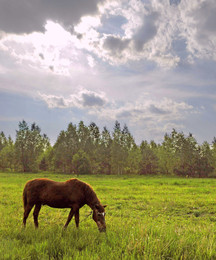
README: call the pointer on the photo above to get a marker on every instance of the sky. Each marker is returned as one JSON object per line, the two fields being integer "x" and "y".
{"x": 150, "y": 64}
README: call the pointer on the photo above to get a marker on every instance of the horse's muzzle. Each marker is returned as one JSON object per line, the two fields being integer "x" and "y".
{"x": 102, "y": 229}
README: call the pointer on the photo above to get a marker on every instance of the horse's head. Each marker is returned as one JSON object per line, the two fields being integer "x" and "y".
{"x": 99, "y": 217}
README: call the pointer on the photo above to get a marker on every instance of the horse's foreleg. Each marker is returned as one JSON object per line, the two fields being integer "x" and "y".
{"x": 35, "y": 214}
{"x": 27, "y": 210}
{"x": 69, "y": 218}
{"x": 77, "y": 218}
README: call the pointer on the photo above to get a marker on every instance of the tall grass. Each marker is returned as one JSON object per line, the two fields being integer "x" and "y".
{"x": 147, "y": 218}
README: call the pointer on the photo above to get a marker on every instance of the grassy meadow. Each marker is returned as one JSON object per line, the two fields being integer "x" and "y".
{"x": 146, "y": 217}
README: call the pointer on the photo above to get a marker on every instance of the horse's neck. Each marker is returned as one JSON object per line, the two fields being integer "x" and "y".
{"x": 92, "y": 201}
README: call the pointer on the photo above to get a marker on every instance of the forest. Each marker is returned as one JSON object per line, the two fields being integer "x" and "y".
{"x": 85, "y": 150}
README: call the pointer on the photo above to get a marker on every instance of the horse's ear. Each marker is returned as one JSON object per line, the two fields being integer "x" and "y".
{"x": 97, "y": 206}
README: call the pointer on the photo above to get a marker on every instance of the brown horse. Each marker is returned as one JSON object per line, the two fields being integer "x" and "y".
{"x": 71, "y": 194}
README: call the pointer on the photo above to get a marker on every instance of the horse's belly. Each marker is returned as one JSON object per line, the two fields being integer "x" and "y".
{"x": 58, "y": 203}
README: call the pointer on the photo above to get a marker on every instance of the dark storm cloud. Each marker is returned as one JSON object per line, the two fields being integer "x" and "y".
{"x": 53, "y": 101}
{"x": 115, "y": 44}
{"x": 91, "y": 99}
{"x": 146, "y": 32}
{"x": 51, "y": 68}
{"x": 155, "y": 110}
{"x": 124, "y": 114}
{"x": 175, "y": 2}
{"x": 25, "y": 16}
{"x": 206, "y": 19}
{"x": 41, "y": 56}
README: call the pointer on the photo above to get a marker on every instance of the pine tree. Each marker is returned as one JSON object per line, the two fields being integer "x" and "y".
{"x": 93, "y": 147}
{"x": 105, "y": 152}
{"x": 117, "y": 153}
{"x": 29, "y": 146}
{"x": 7, "y": 155}
{"x": 149, "y": 160}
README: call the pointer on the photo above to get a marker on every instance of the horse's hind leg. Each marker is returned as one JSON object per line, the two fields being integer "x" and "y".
{"x": 27, "y": 210}
{"x": 36, "y": 213}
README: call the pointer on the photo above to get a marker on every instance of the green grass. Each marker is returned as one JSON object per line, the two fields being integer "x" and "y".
{"x": 147, "y": 218}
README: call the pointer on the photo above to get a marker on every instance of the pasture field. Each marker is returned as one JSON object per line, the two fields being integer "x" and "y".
{"x": 146, "y": 217}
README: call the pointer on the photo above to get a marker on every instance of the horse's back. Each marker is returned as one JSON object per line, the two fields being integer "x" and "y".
{"x": 34, "y": 189}
{"x": 39, "y": 181}
{"x": 55, "y": 194}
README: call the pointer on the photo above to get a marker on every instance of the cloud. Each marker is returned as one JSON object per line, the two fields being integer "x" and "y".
{"x": 55, "y": 101}
{"x": 83, "y": 99}
{"x": 22, "y": 17}
{"x": 158, "y": 111}
{"x": 198, "y": 28}
{"x": 175, "y": 2}
{"x": 115, "y": 45}
{"x": 91, "y": 99}
{"x": 147, "y": 118}
{"x": 147, "y": 110}
{"x": 205, "y": 18}
{"x": 146, "y": 32}
{"x": 168, "y": 33}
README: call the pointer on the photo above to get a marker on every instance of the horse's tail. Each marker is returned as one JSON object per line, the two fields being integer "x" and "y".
{"x": 24, "y": 198}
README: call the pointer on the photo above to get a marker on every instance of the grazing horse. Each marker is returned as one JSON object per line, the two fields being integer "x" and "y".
{"x": 71, "y": 194}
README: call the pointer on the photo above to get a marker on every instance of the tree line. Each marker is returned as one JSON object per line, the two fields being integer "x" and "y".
{"x": 85, "y": 149}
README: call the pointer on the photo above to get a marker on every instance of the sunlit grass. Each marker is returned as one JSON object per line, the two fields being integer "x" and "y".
{"x": 147, "y": 218}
